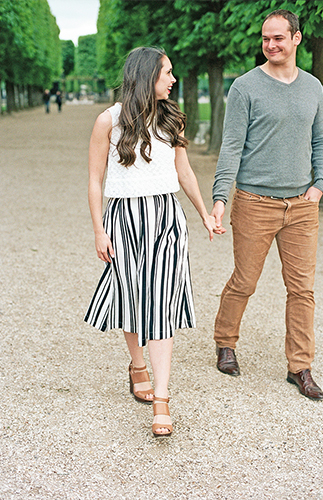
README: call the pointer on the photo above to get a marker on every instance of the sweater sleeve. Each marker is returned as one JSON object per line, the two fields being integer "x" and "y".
{"x": 317, "y": 146}
{"x": 234, "y": 134}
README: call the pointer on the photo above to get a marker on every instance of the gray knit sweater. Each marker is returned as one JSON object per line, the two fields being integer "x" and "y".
{"x": 273, "y": 136}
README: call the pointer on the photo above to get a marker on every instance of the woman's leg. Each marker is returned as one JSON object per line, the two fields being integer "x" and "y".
{"x": 138, "y": 361}
{"x": 160, "y": 352}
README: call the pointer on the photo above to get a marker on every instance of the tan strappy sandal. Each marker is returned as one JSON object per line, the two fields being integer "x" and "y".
{"x": 137, "y": 376}
{"x": 161, "y": 408}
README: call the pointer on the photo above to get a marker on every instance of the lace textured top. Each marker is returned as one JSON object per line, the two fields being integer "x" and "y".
{"x": 142, "y": 178}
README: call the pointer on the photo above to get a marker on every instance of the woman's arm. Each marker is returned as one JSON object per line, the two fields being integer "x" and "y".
{"x": 98, "y": 154}
{"x": 188, "y": 181}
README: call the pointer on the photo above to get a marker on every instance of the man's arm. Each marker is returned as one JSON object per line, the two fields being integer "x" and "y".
{"x": 236, "y": 124}
{"x": 234, "y": 135}
{"x": 314, "y": 193}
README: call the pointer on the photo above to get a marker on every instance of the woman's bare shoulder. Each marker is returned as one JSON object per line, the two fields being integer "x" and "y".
{"x": 104, "y": 120}
{"x": 102, "y": 127}
{"x": 109, "y": 117}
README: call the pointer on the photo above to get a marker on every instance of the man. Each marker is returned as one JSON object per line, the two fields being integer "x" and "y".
{"x": 273, "y": 147}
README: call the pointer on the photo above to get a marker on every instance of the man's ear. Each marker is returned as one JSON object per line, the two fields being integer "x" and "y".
{"x": 297, "y": 37}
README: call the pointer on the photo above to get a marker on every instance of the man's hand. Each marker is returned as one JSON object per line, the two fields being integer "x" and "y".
{"x": 217, "y": 213}
{"x": 313, "y": 194}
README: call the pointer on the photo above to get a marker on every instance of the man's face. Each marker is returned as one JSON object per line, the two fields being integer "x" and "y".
{"x": 277, "y": 43}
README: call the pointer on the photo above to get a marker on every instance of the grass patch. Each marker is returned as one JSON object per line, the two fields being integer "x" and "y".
{"x": 204, "y": 110}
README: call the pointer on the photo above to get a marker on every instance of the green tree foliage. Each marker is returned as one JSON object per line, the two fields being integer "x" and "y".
{"x": 204, "y": 36}
{"x": 30, "y": 52}
{"x": 122, "y": 26}
{"x": 68, "y": 56}
{"x": 311, "y": 18}
{"x": 86, "y": 61}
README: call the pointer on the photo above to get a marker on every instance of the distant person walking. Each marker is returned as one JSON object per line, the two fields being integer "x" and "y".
{"x": 146, "y": 286}
{"x": 59, "y": 101}
{"x": 272, "y": 145}
{"x": 46, "y": 99}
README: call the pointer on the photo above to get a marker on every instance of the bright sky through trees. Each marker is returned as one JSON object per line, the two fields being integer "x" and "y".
{"x": 75, "y": 17}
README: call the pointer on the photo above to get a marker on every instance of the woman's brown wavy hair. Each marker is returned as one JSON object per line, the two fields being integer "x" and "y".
{"x": 141, "y": 110}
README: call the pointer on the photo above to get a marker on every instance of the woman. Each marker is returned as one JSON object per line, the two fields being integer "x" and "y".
{"x": 146, "y": 287}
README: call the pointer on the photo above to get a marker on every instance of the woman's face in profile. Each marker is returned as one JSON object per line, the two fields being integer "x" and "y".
{"x": 165, "y": 80}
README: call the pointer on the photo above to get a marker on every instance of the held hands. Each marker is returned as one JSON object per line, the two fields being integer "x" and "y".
{"x": 104, "y": 247}
{"x": 212, "y": 227}
{"x": 217, "y": 215}
{"x": 209, "y": 224}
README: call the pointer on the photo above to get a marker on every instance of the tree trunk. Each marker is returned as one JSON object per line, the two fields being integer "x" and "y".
{"x": 191, "y": 105}
{"x": 30, "y": 96}
{"x": 317, "y": 51}
{"x": 10, "y": 91}
{"x": 215, "y": 72}
{"x": 20, "y": 99}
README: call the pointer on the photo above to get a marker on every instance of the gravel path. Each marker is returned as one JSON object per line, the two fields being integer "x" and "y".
{"x": 69, "y": 427}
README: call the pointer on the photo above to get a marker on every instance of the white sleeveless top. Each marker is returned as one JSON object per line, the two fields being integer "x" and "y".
{"x": 142, "y": 178}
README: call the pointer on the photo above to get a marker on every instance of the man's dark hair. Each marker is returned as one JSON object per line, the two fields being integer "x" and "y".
{"x": 289, "y": 16}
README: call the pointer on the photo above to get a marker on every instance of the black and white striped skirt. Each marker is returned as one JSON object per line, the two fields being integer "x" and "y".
{"x": 147, "y": 287}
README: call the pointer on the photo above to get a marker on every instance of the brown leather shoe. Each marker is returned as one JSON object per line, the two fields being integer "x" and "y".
{"x": 306, "y": 384}
{"x": 227, "y": 361}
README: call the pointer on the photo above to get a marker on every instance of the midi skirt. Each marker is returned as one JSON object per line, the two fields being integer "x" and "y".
{"x": 146, "y": 289}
